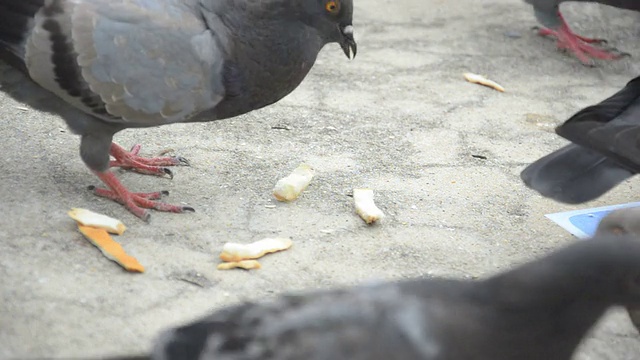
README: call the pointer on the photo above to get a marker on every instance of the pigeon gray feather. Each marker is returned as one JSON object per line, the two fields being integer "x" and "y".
{"x": 108, "y": 65}
{"x": 539, "y": 310}
{"x": 605, "y": 150}
{"x": 548, "y": 13}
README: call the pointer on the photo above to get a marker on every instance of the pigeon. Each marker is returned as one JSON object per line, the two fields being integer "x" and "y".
{"x": 604, "y": 152}
{"x": 623, "y": 222}
{"x": 539, "y": 310}
{"x": 548, "y": 14}
{"x": 109, "y": 65}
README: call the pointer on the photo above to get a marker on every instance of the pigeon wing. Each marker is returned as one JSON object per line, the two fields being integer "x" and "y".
{"x": 138, "y": 62}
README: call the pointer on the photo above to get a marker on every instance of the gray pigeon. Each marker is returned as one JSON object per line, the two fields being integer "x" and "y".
{"x": 539, "y": 310}
{"x": 108, "y": 65}
{"x": 548, "y": 14}
{"x": 605, "y": 150}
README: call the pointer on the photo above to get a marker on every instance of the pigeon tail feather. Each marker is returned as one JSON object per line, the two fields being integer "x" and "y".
{"x": 574, "y": 175}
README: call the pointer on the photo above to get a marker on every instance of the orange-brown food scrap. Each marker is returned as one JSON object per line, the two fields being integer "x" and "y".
{"x": 93, "y": 219}
{"x": 110, "y": 248}
{"x": 290, "y": 187}
{"x": 244, "y": 264}
{"x": 255, "y": 250}
{"x": 481, "y": 80}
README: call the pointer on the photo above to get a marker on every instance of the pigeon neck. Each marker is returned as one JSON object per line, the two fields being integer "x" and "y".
{"x": 262, "y": 67}
{"x": 557, "y": 308}
{"x": 554, "y": 286}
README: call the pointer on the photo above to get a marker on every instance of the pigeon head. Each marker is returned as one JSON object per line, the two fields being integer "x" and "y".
{"x": 599, "y": 272}
{"x": 611, "y": 265}
{"x": 333, "y": 20}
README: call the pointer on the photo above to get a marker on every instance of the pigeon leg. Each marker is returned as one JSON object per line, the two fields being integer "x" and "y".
{"x": 137, "y": 203}
{"x": 579, "y": 45}
{"x": 129, "y": 160}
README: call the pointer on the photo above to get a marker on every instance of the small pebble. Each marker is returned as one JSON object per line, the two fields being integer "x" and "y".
{"x": 513, "y": 34}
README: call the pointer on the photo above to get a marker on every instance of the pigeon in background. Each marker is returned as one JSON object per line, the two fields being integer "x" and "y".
{"x": 539, "y": 310}
{"x": 109, "y": 65}
{"x": 605, "y": 150}
{"x": 623, "y": 222}
{"x": 548, "y": 14}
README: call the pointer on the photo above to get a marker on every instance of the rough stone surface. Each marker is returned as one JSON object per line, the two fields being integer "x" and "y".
{"x": 399, "y": 119}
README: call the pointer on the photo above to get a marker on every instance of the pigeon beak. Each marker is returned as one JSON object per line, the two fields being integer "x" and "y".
{"x": 348, "y": 44}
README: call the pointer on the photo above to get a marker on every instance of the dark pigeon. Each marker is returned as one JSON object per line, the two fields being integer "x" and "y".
{"x": 539, "y": 310}
{"x": 108, "y": 65}
{"x": 548, "y": 14}
{"x": 605, "y": 150}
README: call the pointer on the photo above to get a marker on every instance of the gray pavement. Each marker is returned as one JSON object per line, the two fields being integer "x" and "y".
{"x": 399, "y": 119}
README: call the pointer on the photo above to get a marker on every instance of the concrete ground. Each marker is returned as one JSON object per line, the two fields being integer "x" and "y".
{"x": 399, "y": 119}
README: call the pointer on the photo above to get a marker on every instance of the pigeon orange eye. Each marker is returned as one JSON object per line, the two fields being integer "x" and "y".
{"x": 332, "y": 7}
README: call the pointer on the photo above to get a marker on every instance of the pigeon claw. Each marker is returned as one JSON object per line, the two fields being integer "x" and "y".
{"x": 580, "y": 46}
{"x": 129, "y": 160}
{"x": 136, "y": 203}
{"x": 182, "y": 161}
{"x": 542, "y": 31}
